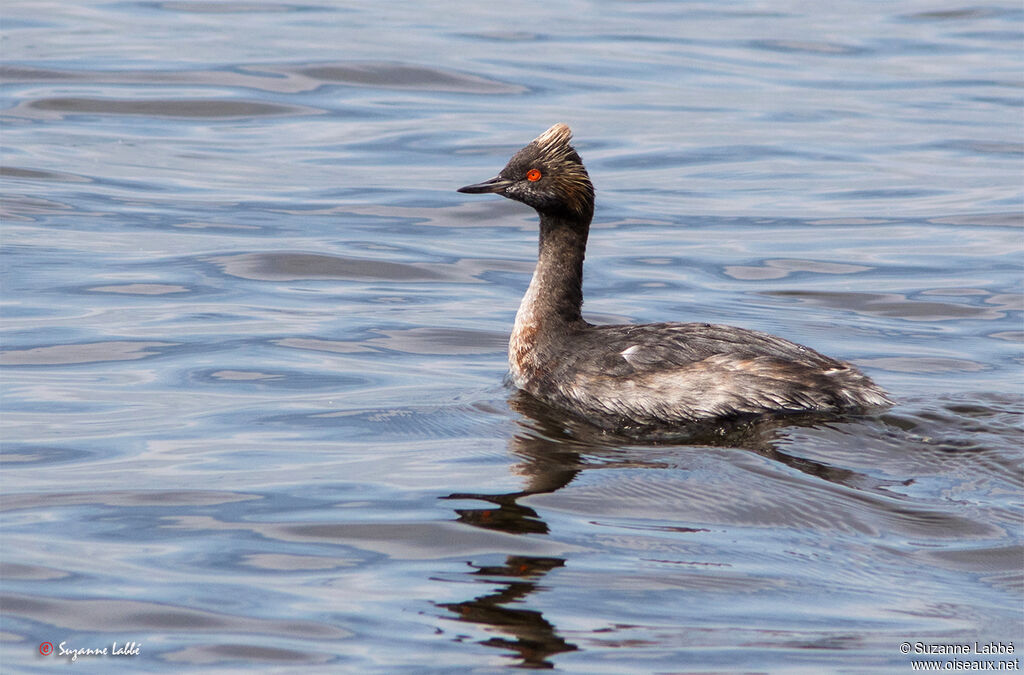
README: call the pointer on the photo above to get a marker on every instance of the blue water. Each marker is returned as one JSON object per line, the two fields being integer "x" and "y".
{"x": 253, "y": 342}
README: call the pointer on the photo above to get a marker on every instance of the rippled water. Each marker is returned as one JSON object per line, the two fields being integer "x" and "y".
{"x": 253, "y": 341}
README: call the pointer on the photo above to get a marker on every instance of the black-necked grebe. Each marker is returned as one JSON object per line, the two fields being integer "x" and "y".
{"x": 651, "y": 375}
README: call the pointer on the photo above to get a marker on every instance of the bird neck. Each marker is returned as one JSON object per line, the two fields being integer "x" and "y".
{"x": 556, "y": 290}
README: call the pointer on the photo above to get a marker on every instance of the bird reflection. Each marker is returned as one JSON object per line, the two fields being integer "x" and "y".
{"x": 530, "y": 636}
{"x": 553, "y": 449}
{"x": 547, "y": 465}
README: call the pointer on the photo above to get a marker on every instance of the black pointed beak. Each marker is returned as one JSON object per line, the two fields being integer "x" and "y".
{"x": 496, "y": 184}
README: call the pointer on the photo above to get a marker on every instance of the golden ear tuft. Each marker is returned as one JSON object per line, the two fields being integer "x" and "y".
{"x": 558, "y": 135}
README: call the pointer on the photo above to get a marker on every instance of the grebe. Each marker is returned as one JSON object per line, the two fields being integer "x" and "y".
{"x": 651, "y": 375}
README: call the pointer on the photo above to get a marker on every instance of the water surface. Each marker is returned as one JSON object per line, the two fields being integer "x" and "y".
{"x": 253, "y": 342}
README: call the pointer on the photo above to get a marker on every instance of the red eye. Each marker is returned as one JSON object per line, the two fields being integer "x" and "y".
{"x": 533, "y": 175}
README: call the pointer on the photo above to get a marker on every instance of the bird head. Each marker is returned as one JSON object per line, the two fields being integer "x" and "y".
{"x": 546, "y": 174}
